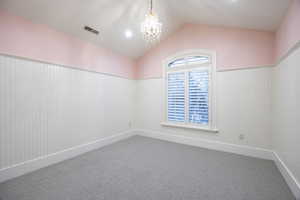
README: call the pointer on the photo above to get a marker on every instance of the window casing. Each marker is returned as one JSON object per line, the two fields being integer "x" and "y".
{"x": 190, "y": 90}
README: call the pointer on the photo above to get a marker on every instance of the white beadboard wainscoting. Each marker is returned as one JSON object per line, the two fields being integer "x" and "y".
{"x": 50, "y": 113}
{"x": 243, "y": 107}
{"x": 46, "y": 109}
{"x": 286, "y": 117}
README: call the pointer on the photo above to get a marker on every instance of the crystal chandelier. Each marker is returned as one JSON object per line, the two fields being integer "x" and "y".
{"x": 151, "y": 27}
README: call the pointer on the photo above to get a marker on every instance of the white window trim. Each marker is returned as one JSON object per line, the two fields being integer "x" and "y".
{"x": 212, "y": 127}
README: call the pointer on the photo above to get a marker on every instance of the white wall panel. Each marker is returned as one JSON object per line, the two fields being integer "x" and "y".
{"x": 286, "y": 112}
{"x": 46, "y": 108}
{"x": 243, "y": 107}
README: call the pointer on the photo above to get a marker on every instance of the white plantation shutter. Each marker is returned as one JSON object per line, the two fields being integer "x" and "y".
{"x": 176, "y": 97}
{"x": 188, "y": 90}
{"x": 199, "y": 97}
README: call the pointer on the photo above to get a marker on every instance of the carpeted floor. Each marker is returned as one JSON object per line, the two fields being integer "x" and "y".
{"x": 141, "y": 168}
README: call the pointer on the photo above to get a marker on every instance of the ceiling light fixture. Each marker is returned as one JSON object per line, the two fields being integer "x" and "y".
{"x": 128, "y": 34}
{"x": 151, "y": 27}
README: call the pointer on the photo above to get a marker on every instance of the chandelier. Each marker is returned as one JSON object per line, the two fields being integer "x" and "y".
{"x": 151, "y": 27}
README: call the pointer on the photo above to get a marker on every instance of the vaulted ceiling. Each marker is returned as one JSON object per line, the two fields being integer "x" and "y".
{"x": 113, "y": 17}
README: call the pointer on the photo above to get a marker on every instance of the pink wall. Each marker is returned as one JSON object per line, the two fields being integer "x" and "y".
{"x": 235, "y": 47}
{"x": 288, "y": 33}
{"x": 20, "y": 37}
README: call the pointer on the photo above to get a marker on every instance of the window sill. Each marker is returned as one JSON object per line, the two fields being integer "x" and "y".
{"x": 189, "y": 127}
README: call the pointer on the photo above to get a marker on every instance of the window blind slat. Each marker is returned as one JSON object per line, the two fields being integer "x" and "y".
{"x": 176, "y": 96}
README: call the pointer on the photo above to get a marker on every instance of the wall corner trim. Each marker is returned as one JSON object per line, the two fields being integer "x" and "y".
{"x": 227, "y": 69}
{"x": 63, "y": 65}
{"x": 288, "y": 53}
{"x": 44, "y": 161}
{"x": 287, "y": 175}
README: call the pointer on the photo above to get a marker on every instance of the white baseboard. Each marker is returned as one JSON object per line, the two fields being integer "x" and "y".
{"x": 38, "y": 163}
{"x": 288, "y": 175}
{"x": 209, "y": 144}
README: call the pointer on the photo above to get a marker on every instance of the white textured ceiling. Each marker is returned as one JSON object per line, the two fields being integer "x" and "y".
{"x": 113, "y": 17}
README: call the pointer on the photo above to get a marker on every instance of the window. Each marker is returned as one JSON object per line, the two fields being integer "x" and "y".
{"x": 189, "y": 90}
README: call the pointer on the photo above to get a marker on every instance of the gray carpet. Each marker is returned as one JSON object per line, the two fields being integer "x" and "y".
{"x": 141, "y": 168}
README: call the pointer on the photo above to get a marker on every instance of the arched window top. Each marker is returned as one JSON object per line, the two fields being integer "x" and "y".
{"x": 177, "y": 62}
{"x": 189, "y": 60}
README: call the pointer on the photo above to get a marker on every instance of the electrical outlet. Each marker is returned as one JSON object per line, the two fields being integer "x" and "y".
{"x": 241, "y": 137}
